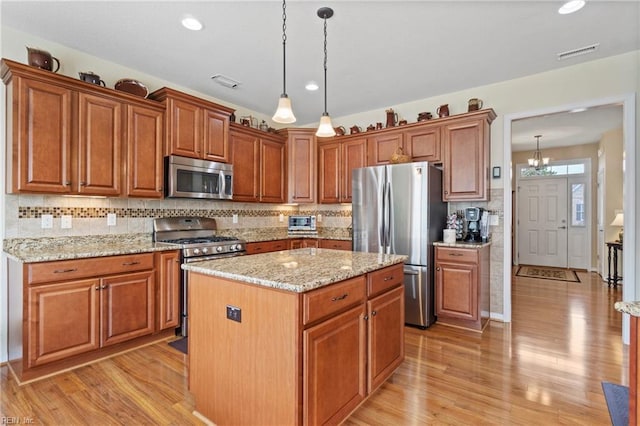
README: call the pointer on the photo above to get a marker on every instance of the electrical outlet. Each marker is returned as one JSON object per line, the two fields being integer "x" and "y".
{"x": 235, "y": 218}
{"x": 281, "y": 217}
{"x": 493, "y": 220}
{"x": 65, "y": 221}
{"x": 111, "y": 219}
{"x": 234, "y": 313}
{"x": 319, "y": 217}
{"x": 47, "y": 221}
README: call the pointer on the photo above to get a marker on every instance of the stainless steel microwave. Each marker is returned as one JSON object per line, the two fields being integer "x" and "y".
{"x": 192, "y": 178}
{"x": 302, "y": 223}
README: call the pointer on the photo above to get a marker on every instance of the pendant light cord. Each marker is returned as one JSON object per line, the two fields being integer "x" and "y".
{"x": 325, "y": 65}
{"x": 284, "y": 48}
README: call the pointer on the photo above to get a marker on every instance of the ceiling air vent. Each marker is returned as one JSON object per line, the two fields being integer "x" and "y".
{"x": 577, "y": 52}
{"x": 225, "y": 81}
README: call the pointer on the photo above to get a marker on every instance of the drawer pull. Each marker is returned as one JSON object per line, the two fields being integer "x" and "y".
{"x": 344, "y": 296}
{"x": 456, "y": 254}
{"x": 62, "y": 271}
{"x": 389, "y": 278}
{"x": 130, "y": 263}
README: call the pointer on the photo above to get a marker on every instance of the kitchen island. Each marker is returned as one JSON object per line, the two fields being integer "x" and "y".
{"x": 293, "y": 337}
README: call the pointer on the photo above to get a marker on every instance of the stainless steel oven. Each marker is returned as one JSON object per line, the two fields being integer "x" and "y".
{"x": 197, "y": 240}
{"x": 192, "y": 178}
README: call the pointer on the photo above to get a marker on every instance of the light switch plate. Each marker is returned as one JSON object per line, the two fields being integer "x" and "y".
{"x": 493, "y": 220}
{"x": 235, "y": 218}
{"x": 65, "y": 221}
{"x": 47, "y": 221}
{"x": 319, "y": 217}
{"x": 111, "y": 219}
{"x": 281, "y": 217}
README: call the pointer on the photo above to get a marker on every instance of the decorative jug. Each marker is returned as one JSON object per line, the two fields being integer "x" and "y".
{"x": 443, "y": 110}
{"x": 90, "y": 77}
{"x": 392, "y": 118}
{"x": 42, "y": 59}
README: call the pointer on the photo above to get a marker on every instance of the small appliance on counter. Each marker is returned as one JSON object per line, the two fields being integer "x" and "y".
{"x": 302, "y": 224}
{"x": 472, "y": 217}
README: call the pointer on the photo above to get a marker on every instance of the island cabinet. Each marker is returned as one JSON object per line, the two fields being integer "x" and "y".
{"x": 65, "y": 313}
{"x": 462, "y": 286}
{"x": 467, "y": 157}
{"x": 259, "y": 165}
{"x": 293, "y": 358}
{"x": 195, "y": 127}
{"x": 301, "y": 165}
{"x": 66, "y": 136}
{"x": 336, "y": 160}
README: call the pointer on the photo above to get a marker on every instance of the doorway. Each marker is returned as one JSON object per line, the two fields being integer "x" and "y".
{"x": 629, "y": 189}
{"x": 553, "y": 216}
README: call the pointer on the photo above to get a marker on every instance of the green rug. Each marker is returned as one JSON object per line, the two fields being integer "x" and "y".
{"x": 548, "y": 273}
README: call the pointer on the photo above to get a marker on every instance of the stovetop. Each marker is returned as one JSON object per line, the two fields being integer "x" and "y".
{"x": 200, "y": 240}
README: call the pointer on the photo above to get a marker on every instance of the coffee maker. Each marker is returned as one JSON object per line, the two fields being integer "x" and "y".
{"x": 472, "y": 216}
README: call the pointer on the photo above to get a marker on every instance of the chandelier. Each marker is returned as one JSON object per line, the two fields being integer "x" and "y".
{"x": 538, "y": 161}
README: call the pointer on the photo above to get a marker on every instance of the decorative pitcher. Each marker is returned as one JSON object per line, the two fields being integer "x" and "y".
{"x": 42, "y": 59}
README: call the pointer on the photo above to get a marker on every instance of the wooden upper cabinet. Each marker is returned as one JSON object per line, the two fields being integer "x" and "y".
{"x": 272, "y": 171}
{"x": 354, "y": 156}
{"x": 383, "y": 145}
{"x": 424, "y": 143}
{"x": 337, "y": 159}
{"x": 245, "y": 156}
{"x": 39, "y": 136}
{"x": 66, "y": 136}
{"x": 466, "y": 158}
{"x": 99, "y": 146}
{"x": 195, "y": 127}
{"x": 144, "y": 139}
{"x": 301, "y": 165}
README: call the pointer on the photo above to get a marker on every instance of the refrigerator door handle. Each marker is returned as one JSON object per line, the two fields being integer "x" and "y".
{"x": 388, "y": 218}
{"x": 381, "y": 222}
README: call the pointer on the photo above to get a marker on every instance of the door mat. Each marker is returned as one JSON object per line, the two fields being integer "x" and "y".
{"x": 617, "y": 397}
{"x": 180, "y": 344}
{"x": 546, "y": 273}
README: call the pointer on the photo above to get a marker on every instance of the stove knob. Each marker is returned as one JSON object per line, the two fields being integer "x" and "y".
{"x": 219, "y": 249}
{"x": 205, "y": 249}
{"x": 196, "y": 251}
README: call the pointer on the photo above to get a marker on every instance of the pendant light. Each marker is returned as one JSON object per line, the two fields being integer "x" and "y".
{"x": 325, "y": 129}
{"x": 538, "y": 161}
{"x": 284, "y": 113}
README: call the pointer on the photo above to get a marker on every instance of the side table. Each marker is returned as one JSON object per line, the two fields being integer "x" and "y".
{"x": 615, "y": 278}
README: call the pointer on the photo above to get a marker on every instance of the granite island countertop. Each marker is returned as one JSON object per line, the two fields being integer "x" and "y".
{"x": 631, "y": 308}
{"x": 298, "y": 270}
{"x": 462, "y": 244}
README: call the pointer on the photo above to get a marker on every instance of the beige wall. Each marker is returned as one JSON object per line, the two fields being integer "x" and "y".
{"x": 567, "y": 153}
{"x": 611, "y": 147}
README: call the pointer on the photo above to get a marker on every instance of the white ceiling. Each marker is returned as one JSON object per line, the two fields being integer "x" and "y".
{"x": 380, "y": 53}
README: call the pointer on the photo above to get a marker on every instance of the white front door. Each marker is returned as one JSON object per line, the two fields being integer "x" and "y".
{"x": 542, "y": 222}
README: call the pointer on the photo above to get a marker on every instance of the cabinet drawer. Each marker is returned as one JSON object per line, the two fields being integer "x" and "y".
{"x": 384, "y": 279}
{"x": 336, "y": 244}
{"x": 329, "y": 300}
{"x": 456, "y": 255}
{"x": 46, "y": 272}
{"x": 267, "y": 246}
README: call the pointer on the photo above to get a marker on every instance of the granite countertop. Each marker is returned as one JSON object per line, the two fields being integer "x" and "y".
{"x": 253, "y": 235}
{"x": 298, "y": 270}
{"x": 631, "y": 308}
{"x": 462, "y": 244}
{"x": 32, "y": 250}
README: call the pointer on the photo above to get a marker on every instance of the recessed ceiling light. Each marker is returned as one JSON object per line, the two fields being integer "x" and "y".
{"x": 571, "y": 6}
{"x": 312, "y": 86}
{"x": 191, "y": 23}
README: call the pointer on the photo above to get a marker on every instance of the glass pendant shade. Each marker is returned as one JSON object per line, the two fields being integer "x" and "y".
{"x": 538, "y": 161}
{"x": 325, "y": 129}
{"x": 284, "y": 113}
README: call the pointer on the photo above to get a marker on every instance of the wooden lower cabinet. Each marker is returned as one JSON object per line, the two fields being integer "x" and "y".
{"x": 65, "y": 313}
{"x": 168, "y": 279}
{"x": 297, "y": 243}
{"x": 333, "y": 347}
{"x": 462, "y": 286}
{"x": 335, "y": 244}
{"x": 267, "y": 246}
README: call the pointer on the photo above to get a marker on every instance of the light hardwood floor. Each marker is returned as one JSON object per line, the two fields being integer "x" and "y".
{"x": 546, "y": 367}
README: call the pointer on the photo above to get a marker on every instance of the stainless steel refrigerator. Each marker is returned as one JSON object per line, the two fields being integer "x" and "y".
{"x": 398, "y": 209}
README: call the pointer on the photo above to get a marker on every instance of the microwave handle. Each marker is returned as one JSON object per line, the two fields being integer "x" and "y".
{"x": 223, "y": 184}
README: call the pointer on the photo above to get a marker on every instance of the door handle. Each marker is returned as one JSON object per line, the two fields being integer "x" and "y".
{"x": 562, "y": 227}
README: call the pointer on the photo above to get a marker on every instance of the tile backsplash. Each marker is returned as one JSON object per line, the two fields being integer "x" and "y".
{"x": 23, "y": 214}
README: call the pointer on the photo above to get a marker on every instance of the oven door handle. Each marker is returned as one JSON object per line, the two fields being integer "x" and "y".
{"x": 212, "y": 257}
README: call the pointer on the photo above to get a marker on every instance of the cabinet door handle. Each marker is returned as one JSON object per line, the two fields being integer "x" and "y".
{"x": 62, "y": 271}
{"x": 67, "y": 183}
{"x": 130, "y": 263}
{"x": 83, "y": 184}
{"x": 344, "y": 296}
{"x": 366, "y": 317}
{"x": 373, "y": 313}
{"x": 103, "y": 286}
{"x": 456, "y": 254}
{"x": 438, "y": 268}
{"x": 446, "y": 192}
{"x": 97, "y": 287}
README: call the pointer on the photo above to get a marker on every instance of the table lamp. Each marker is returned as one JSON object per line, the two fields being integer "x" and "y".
{"x": 618, "y": 221}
